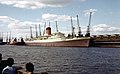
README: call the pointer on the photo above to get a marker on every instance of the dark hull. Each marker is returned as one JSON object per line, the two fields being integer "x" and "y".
{"x": 69, "y": 43}
{"x": 17, "y": 43}
{"x": 107, "y": 44}
{"x": 3, "y": 43}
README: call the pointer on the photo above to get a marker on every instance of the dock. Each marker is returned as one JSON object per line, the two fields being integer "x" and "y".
{"x": 105, "y": 41}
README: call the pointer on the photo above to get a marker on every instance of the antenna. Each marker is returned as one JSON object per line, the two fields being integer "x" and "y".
{"x": 56, "y": 26}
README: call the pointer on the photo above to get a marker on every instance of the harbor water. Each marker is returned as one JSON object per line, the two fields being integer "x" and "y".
{"x": 65, "y": 60}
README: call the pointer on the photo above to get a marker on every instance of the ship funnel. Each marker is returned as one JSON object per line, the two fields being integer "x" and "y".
{"x": 48, "y": 31}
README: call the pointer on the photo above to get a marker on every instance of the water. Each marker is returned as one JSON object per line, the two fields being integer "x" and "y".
{"x": 65, "y": 60}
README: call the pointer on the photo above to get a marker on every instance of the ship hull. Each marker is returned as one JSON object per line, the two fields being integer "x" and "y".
{"x": 67, "y": 43}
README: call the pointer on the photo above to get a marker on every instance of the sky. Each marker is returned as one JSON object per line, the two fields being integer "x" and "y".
{"x": 17, "y": 16}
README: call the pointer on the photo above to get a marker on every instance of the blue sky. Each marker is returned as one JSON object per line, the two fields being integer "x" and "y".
{"x": 18, "y": 15}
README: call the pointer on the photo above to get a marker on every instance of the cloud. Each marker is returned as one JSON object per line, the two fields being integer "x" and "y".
{"x": 54, "y": 17}
{"x": 87, "y": 12}
{"x": 6, "y": 19}
{"x": 18, "y": 27}
{"x": 13, "y": 23}
{"x": 21, "y": 29}
{"x": 104, "y": 29}
{"x": 34, "y": 4}
{"x": 82, "y": 0}
{"x": 99, "y": 29}
{"x": 55, "y": 2}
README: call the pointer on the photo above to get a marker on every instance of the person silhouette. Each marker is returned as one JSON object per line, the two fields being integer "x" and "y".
{"x": 3, "y": 63}
{"x": 29, "y": 68}
{"x": 10, "y": 69}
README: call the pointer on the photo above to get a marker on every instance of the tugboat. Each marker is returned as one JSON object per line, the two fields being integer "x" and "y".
{"x": 15, "y": 42}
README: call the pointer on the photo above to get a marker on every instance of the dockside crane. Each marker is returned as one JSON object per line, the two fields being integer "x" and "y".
{"x": 88, "y": 27}
{"x": 31, "y": 32}
{"x": 44, "y": 28}
{"x": 39, "y": 30}
{"x": 56, "y": 26}
{"x": 36, "y": 31}
{"x": 79, "y": 28}
{"x": 73, "y": 28}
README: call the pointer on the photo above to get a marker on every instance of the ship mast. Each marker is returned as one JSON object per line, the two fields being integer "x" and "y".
{"x": 72, "y": 28}
{"x": 39, "y": 30}
{"x": 7, "y": 37}
{"x": 31, "y": 32}
{"x": 44, "y": 28}
{"x": 49, "y": 24}
{"x": 56, "y": 26}
{"x": 36, "y": 31}
{"x": 88, "y": 27}
{"x": 1, "y": 36}
{"x": 10, "y": 37}
{"x": 79, "y": 28}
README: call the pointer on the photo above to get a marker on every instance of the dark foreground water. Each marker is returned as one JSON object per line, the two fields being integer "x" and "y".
{"x": 63, "y": 60}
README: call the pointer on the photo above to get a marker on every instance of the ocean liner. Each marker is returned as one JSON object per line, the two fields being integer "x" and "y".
{"x": 58, "y": 39}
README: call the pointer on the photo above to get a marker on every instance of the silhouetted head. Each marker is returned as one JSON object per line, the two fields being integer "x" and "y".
{"x": 29, "y": 67}
{"x": 10, "y": 61}
{"x": 0, "y": 56}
